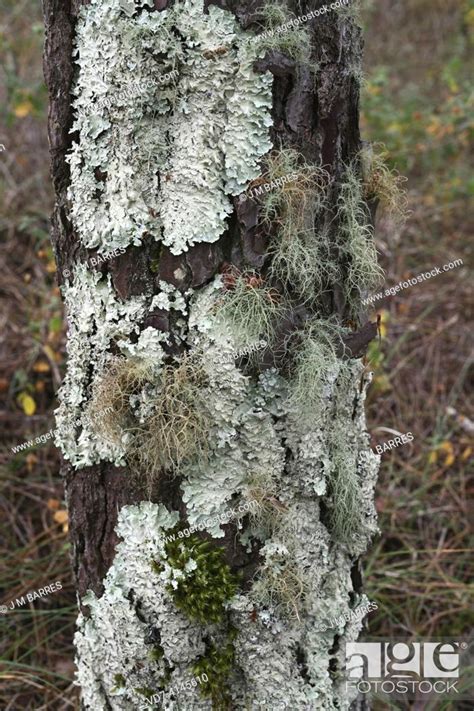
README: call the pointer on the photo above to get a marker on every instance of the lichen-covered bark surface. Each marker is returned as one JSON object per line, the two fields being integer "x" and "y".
{"x": 215, "y": 349}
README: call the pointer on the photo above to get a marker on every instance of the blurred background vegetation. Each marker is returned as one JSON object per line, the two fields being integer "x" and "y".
{"x": 418, "y": 102}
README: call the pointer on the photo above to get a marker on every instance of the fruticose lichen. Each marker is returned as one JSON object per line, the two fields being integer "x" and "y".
{"x": 300, "y": 248}
{"x": 151, "y": 164}
{"x": 383, "y": 184}
{"x": 156, "y": 413}
{"x": 294, "y": 41}
{"x": 251, "y": 308}
{"x": 278, "y": 619}
{"x": 355, "y": 240}
{"x": 98, "y": 320}
{"x": 200, "y": 133}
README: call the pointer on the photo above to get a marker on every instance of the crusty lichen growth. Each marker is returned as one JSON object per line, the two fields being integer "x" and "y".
{"x": 294, "y": 440}
{"x": 241, "y": 422}
{"x": 115, "y": 641}
{"x": 199, "y": 119}
{"x": 304, "y": 574}
{"x": 96, "y": 318}
{"x": 260, "y": 435}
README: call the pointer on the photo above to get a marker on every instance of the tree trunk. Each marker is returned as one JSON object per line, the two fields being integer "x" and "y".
{"x": 213, "y": 245}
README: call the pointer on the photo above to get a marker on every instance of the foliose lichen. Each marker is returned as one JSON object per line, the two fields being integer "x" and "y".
{"x": 97, "y": 320}
{"x": 201, "y": 132}
{"x": 115, "y": 641}
{"x": 173, "y": 607}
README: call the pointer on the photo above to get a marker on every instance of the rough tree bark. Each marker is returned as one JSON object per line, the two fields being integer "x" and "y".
{"x": 175, "y": 107}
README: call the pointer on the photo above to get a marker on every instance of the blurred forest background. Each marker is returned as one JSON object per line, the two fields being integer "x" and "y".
{"x": 417, "y": 101}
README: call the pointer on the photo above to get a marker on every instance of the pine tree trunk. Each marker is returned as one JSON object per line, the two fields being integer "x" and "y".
{"x": 209, "y": 369}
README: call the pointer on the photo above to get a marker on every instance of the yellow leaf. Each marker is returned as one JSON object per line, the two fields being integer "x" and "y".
{"x": 394, "y": 127}
{"x": 41, "y": 367}
{"x": 433, "y": 457}
{"x": 446, "y": 446}
{"x": 449, "y": 460}
{"x": 466, "y": 454}
{"x": 24, "y": 108}
{"x": 61, "y": 516}
{"x": 27, "y": 403}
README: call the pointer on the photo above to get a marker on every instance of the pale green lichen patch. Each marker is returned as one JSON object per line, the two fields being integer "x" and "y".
{"x": 174, "y": 91}
{"x": 305, "y": 574}
{"x": 299, "y": 438}
{"x": 242, "y": 438}
{"x": 163, "y": 161}
{"x": 98, "y": 319}
{"x": 117, "y": 640}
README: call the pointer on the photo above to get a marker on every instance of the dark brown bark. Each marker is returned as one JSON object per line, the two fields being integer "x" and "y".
{"x": 320, "y": 121}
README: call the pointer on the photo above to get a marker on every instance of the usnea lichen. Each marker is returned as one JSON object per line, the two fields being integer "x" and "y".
{"x": 383, "y": 184}
{"x": 294, "y": 42}
{"x": 317, "y": 366}
{"x": 259, "y": 434}
{"x": 299, "y": 250}
{"x": 303, "y": 580}
{"x": 251, "y": 308}
{"x": 355, "y": 241}
{"x": 156, "y": 413}
{"x": 98, "y": 319}
{"x": 174, "y": 91}
{"x": 228, "y": 433}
